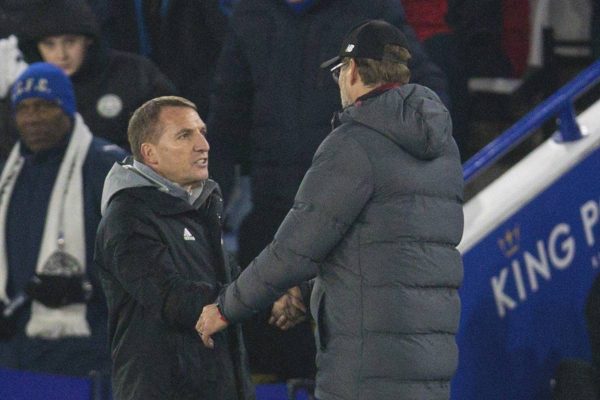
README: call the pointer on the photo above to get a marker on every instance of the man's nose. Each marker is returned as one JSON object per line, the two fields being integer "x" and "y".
{"x": 201, "y": 143}
{"x": 62, "y": 51}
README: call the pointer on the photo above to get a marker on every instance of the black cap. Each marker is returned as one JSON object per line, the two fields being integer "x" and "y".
{"x": 368, "y": 40}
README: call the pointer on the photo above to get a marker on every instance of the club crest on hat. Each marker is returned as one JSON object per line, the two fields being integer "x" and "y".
{"x": 37, "y": 85}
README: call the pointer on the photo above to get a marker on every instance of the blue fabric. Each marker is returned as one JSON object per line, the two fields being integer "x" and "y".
{"x": 46, "y": 81}
{"x": 164, "y": 8}
{"x": 300, "y": 7}
{"x": 145, "y": 45}
{"x": 226, "y": 6}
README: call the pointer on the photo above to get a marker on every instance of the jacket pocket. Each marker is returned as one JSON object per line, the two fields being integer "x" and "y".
{"x": 196, "y": 368}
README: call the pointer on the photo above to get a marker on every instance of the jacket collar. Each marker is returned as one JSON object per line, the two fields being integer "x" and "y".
{"x": 166, "y": 204}
{"x": 379, "y": 90}
{"x": 376, "y": 92}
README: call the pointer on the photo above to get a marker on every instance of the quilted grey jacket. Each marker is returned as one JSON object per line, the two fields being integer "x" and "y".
{"x": 376, "y": 220}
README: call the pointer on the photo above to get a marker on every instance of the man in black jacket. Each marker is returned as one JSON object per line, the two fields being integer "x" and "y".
{"x": 160, "y": 259}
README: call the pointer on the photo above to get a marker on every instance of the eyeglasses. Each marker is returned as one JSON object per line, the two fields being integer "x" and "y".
{"x": 335, "y": 72}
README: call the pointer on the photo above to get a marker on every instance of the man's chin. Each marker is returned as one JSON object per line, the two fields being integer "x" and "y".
{"x": 36, "y": 145}
{"x": 199, "y": 181}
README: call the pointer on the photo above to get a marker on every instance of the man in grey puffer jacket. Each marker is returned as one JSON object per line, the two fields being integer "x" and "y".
{"x": 376, "y": 220}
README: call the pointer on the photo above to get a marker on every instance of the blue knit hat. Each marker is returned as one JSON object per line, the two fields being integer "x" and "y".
{"x": 45, "y": 81}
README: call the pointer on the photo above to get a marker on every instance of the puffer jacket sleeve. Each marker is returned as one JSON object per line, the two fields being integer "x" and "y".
{"x": 141, "y": 263}
{"x": 332, "y": 194}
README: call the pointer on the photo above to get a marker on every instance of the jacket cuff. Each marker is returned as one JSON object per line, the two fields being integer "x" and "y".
{"x": 230, "y": 306}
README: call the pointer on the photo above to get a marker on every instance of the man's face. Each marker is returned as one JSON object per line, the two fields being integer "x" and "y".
{"x": 65, "y": 51}
{"x": 181, "y": 153}
{"x": 41, "y": 123}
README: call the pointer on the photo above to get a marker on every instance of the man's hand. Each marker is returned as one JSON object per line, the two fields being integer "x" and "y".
{"x": 288, "y": 310}
{"x": 210, "y": 322}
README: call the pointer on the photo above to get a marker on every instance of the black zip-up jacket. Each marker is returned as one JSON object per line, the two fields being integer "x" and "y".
{"x": 160, "y": 262}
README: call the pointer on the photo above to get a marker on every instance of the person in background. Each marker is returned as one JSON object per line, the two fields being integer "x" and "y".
{"x": 183, "y": 37}
{"x": 109, "y": 84}
{"x": 12, "y": 22}
{"x": 376, "y": 220}
{"x": 11, "y": 66}
{"x": 464, "y": 38}
{"x": 270, "y": 110}
{"x": 52, "y": 309}
{"x": 160, "y": 259}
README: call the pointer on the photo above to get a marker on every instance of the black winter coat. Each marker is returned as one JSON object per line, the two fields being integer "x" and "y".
{"x": 160, "y": 262}
{"x": 273, "y": 104}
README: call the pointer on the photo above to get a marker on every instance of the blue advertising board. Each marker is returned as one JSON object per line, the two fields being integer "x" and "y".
{"x": 23, "y": 385}
{"x": 524, "y": 291}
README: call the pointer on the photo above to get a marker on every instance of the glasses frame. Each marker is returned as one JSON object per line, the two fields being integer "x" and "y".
{"x": 336, "y": 70}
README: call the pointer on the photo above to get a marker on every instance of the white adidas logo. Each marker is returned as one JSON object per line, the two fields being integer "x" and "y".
{"x": 187, "y": 235}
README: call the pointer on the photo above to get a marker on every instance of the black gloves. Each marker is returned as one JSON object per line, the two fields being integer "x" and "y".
{"x": 51, "y": 290}
{"x": 59, "y": 290}
{"x": 8, "y": 316}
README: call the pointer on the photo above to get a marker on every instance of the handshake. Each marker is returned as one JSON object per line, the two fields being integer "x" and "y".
{"x": 286, "y": 312}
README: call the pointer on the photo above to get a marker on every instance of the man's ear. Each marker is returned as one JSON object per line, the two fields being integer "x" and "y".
{"x": 148, "y": 153}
